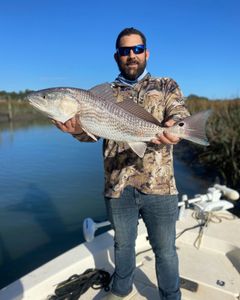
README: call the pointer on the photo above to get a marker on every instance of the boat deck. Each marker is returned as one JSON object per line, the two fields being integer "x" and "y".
{"x": 202, "y": 284}
{"x": 210, "y": 272}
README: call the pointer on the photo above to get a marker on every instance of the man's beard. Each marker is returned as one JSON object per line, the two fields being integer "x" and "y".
{"x": 129, "y": 73}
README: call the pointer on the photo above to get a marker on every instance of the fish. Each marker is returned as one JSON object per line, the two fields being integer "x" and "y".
{"x": 101, "y": 116}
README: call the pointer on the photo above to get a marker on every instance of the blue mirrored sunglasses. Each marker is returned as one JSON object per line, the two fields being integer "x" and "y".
{"x": 124, "y": 51}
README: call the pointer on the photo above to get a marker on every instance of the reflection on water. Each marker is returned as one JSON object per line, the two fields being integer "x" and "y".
{"x": 50, "y": 182}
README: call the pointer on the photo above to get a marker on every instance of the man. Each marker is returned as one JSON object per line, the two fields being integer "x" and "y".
{"x": 141, "y": 186}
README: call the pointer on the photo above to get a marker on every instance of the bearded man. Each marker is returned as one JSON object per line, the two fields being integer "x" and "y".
{"x": 136, "y": 186}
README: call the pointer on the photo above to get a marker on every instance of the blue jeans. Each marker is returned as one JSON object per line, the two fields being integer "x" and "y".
{"x": 159, "y": 213}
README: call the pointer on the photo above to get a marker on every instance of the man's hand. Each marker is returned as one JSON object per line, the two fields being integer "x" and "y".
{"x": 71, "y": 126}
{"x": 166, "y": 138}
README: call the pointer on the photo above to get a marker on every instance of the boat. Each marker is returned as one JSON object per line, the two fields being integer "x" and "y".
{"x": 207, "y": 242}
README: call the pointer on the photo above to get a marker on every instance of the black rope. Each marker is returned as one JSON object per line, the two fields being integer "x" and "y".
{"x": 76, "y": 285}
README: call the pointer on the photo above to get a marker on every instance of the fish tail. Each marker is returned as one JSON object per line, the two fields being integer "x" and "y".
{"x": 195, "y": 127}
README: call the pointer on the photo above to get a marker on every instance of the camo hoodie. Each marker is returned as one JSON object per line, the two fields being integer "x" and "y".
{"x": 152, "y": 174}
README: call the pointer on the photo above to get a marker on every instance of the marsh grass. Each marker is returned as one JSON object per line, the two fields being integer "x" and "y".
{"x": 222, "y": 157}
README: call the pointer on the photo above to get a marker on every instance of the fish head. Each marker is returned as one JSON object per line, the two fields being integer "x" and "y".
{"x": 52, "y": 95}
{"x": 57, "y": 103}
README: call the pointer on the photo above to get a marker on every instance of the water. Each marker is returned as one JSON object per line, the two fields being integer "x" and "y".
{"x": 50, "y": 182}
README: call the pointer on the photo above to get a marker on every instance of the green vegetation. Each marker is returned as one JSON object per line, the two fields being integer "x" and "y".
{"x": 221, "y": 159}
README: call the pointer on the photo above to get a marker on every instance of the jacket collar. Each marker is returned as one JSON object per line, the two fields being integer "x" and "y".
{"x": 121, "y": 81}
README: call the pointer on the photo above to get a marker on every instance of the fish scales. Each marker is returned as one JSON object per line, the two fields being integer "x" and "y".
{"x": 106, "y": 119}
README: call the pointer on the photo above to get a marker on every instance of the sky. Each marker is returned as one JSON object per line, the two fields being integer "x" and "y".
{"x": 71, "y": 43}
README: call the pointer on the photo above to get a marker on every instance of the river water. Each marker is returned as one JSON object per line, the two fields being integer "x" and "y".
{"x": 50, "y": 182}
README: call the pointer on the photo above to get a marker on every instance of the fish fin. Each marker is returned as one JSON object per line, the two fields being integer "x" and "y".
{"x": 104, "y": 91}
{"x": 195, "y": 125}
{"x": 138, "y": 147}
{"x": 138, "y": 111}
{"x": 90, "y": 134}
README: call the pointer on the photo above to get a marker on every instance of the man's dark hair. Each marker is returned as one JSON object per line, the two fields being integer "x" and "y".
{"x": 129, "y": 31}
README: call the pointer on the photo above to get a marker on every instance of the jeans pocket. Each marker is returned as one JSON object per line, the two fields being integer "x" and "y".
{"x": 166, "y": 204}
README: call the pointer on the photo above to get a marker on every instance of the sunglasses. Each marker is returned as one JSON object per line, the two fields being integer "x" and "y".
{"x": 124, "y": 51}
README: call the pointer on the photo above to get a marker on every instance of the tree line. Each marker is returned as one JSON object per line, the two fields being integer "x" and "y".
{"x": 13, "y": 95}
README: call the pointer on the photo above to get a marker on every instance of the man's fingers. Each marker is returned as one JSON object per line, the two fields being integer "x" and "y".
{"x": 171, "y": 138}
{"x": 71, "y": 126}
{"x": 68, "y": 125}
{"x": 156, "y": 141}
{"x": 166, "y": 138}
{"x": 169, "y": 123}
{"x": 62, "y": 126}
{"x": 73, "y": 122}
{"x": 56, "y": 123}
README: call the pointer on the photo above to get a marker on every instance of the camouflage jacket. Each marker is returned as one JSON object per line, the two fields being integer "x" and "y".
{"x": 152, "y": 174}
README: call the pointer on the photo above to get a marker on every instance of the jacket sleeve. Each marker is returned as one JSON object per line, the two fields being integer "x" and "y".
{"x": 83, "y": 137}
{"x": 174, "y": 101}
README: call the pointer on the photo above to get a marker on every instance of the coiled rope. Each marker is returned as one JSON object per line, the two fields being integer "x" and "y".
{"x": 76, "y": 285}
{"x": 204, "y": 219}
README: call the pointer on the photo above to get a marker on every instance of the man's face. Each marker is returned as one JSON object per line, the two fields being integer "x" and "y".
{"x": 132, "y": 65}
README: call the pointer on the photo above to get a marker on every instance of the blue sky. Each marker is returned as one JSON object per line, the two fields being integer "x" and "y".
{"x": 71, "y": 43}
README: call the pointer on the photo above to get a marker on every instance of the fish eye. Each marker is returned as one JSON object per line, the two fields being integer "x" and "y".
{"x": 181, "y": 124}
